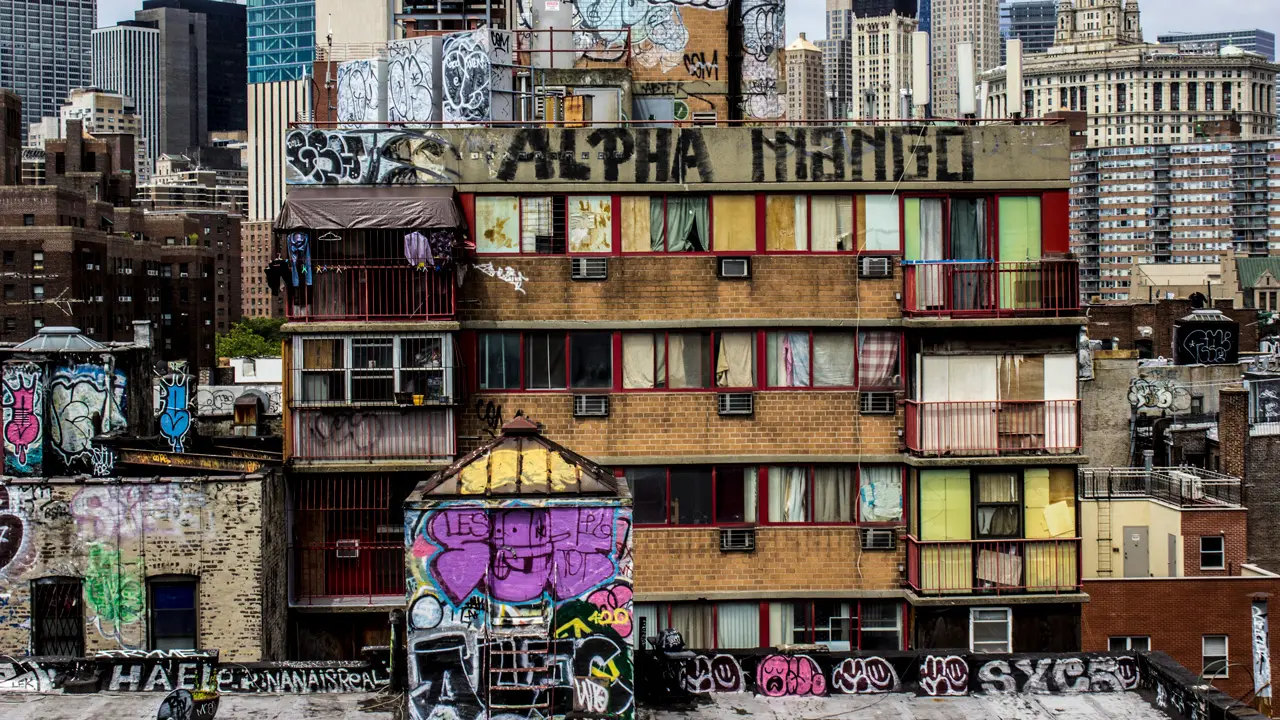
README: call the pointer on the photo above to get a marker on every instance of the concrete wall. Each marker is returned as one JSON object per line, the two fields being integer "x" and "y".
{"x": 1160, "y": 520}
{"x": 114, "y": 536}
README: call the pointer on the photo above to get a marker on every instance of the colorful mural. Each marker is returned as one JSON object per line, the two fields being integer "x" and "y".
{"x": 85, "y": 400}
{"x": 22, "y": 400}
{"x": 175, "y": 410}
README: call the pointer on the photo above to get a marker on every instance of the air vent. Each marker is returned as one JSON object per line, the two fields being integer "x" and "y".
{"x": 741, "y": 403}
{"x": 875, "y": 267}
{"x": 877, "y": 403}
{"x": 733, "y": 268}
{"x": 347, "y": 549}
{"x": 877, "y": 538}
{"x": 582, "y": 268}
{"x": 590, "y": 405}
{"x": 737, "y": 539}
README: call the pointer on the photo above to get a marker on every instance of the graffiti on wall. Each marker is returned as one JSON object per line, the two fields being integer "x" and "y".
{"x": 475, "y": 69}
{"x": 1261, "y": 626}
{"x": 109, "y": 512}
{"x": 22, "y": 401}
{"x": 113, "y": 591}
{"x": 640, "y": 155}
{"x": 413, "y": 68}
{"x": 15, "y": 534}
{"x": 175, "y": 410}
{"x": 219, "y": 400}
{"x": 1156, "y": 394}
{"x": 534, "y": 595}
{"x": 763, "y": 38}
{"x": 359, "y": 91}
{"x": 85, "y": 401}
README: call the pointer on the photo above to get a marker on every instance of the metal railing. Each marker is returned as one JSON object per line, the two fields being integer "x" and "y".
{"x": 599, "y": 47}
{"x": 347, "y": 539}
{"x": 1184, "y": 486}
{"x": 996, "y": 567}
{"x": 421, "y": 434}
{"x": 373, "y": 292}
{"x": 349, "y": 570}
{"x": 993, "y": 427}
{"x": 991, "y": 289}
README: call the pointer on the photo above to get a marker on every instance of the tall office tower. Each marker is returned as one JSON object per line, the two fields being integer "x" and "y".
{"x": 806, "y": 98}
{"x": 877, "y": 8}
{"x": 1031, "y": 21}
{"x": 126, "y": 60}
{"x": 282, "y": 39}
{"x": 838, "y": 76}
{"x": 226, "y": 27}
{"x": 1258, "y": 41}
{"x": 183, "y": 74}
{"x": 881, "y": 66}
{"x": 44, "y": 52}
{"x": 955, "y": 22}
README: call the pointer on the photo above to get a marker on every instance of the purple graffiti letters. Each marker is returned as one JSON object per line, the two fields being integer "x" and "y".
{"x": 525, "y": 552}
{"x": 862, "y": 676}
{"x": 947, "y": 675}
{"x": 779, "y": 675}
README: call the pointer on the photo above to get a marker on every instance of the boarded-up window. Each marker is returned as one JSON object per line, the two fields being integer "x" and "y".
{"x": 733, "y": 223}
{"x": 497, "y": 224}
{"x": 590, "y": 224}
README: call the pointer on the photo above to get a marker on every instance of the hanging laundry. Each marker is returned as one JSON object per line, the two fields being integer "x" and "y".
{"x": 299, "y": 246}
{"x": 276, "y": 271}
{"x": 441, "y": 242}
{"x": 417, "y": 250}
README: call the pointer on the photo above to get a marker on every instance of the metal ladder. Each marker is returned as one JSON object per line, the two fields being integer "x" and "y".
{"x": 1104, "y": 537}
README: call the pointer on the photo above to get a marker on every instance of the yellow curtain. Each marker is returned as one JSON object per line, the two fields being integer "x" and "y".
{"x": 786, "y": 220}
{"x": 945, "y": 512}
{"x": 635, "y": 224}
{"x": 1050, "y": 510}
{"x": 733, "y": 221}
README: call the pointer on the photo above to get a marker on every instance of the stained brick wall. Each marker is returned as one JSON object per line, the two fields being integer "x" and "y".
{"x": 114, "y": 537}
{"x": 1175, "y": 614}
{"x": 1231, "y": 524}
{"x": 688, "y": 561}
{"x": 1123, "y": 321}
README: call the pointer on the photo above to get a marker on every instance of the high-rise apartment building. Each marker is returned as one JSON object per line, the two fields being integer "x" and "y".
{"x": 806, "y": 96}
{"x": 226, "y": 27}
{"x": 183, "y": 74}
{"x": 881, "y": 65}
{"x": 836, "y": 58}
{"x": 106, "y": 113}
{"x": 44, "y": 52}
{"x": 1031, "y": 21}
{"x": 1257, "y": 41}
{"x": 1163, "y": 203}
{"x": 126, "y": 60}
{"x": 1135, "y": 93}
{"x": 955, "y": 22}
{"x": 281, "y": 39}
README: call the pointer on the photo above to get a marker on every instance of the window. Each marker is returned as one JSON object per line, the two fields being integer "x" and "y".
{"x": 691, "y": 496}
{"x": 10, "y": 324}
{"x": 831, "y": 223}
{"x": 695, "y": 622}
{"x": 666, "y": 360}
{"x": 372, "y": 369}
{"x": 1121, "y": 643}
{"x": 173, "y": 613}
{"x": 1213, "y": 655}
{"x": 679, "y": 223}
{"x": 421, "y": 370}
{"x": 880, "y": 627}
{"x": 545, "y": 361}
{"x": 10, "y": 292}
{"x": 28, "y": 220}
{"x": 991, "y": 630}
{"x": 999, "y": 509}
{"x": 37, "y": 292}
{"x": 591, "y": 360}
{"x": 735, "y": 360}
{"x": 499, "y": 361}
{"x": 57, "y": 622}
{"x": 249, "y": 367}
{"x": 879, "y": 494}
{"x": 840, "y": 626}
{"x": 1212, "y": 552}
{"x": 649, "y": 493}
{"x": 37, "y": 260}
{"x": 322, "y": 371}
{"x": 8, "y": 257}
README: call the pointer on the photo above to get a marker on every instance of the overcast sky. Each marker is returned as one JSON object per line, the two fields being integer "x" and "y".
{"x": 806, "y": 15}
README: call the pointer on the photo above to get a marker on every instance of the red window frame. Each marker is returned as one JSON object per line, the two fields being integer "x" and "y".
{"x": 615, "y": 228}
{"x": 568, "y": 361}
{"x": 855, "y": 642}
{"x": 711, "y": 227}
{"x": 665, "y": 610}
{"x": 762, "y": 209}
{"x": 993, "y": 219}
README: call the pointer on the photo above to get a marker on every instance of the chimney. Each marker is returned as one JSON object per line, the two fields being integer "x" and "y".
{"x": 801, "y": 36}
{"x": 1233, "y": 429}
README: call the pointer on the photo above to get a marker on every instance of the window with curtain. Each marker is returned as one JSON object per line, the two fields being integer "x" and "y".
{"x": 787, "y": 359}
{"x": 654, "y": 616}
{"x": 968, "y": 229}
{"x": 591, "y": 360}
{"x": 879, "y": 493}
{"x": 590, "y": 224}
{"x": 830, "y": 223}
{"x": 878, "y": 223}
{"x": 679, "y": 223}
{"x": 645, "y": 360}
{"x": 833, "y": 494}
{"x": 738, "y": 625}
{"x": 788, "y": 494}
{"x": 786, "y": 222}
{"x": 323, "y": 371}
{"x": 735, "y": 495}
{"x": 691, "y": 496}
{"x": 924, "y": 228}
{"x": 733, "y": 223}
{"x": 998, "y": 505}
{"x": 497, "y": 224}
{"x": 649, "y": 495}
{"x": 833, "y": 359}
{"x": 880, "y": 625}
{"x": 545, "y": 361}
{"x": 878, "y": 358}
{"x": 693, "y": 622}
{"x": 542, "y": 224}
{"x": 826, "y": 622}
{"x": 735, "y": 360}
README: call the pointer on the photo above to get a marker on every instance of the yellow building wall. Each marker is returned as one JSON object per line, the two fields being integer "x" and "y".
{"x": 1160, "y": 521}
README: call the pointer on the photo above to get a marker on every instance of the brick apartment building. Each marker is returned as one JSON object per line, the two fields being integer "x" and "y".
{"x": 842, "y": 419}
{"x": 76, "y": 254}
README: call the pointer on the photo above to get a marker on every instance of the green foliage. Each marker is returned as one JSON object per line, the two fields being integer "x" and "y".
{"x": 252, "y": 337}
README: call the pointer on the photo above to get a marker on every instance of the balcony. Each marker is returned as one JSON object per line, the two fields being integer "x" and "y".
{"x": 985, "y": 289}
{"x": 1187, "y": 487}
{"x": 993, "y": 567}
{"x": 420, "y": 434}
{"x": 374, "y": 292}
{"x": 993, "y": 427}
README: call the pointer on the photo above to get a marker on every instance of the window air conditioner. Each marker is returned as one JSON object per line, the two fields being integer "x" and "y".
{"x": 585, "y": 268}
{"x": 877, "y": 538}
{"x": 737, "y": 539}
{"x": 591, "y": 406}
{"x": 739, "y": 403}
{"x": 877, "y": 403}
{"x": 733, "y": 268}
{"x": 875, "y": 267}
{"x": 347, "y": 549}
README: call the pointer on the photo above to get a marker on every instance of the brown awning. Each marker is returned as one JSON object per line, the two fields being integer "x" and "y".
{"x": 340, "y": 207}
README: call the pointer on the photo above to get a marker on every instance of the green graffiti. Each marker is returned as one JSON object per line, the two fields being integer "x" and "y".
{"x": 112, "y": 590}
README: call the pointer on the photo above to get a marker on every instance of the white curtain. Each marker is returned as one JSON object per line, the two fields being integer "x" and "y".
{"x": 751, "y": 494}
{"x": 782, "y": 619}
{"x": 880, "y": 493}
{"x": 929, "y": 283}
{"x": 681, "y": 373}
{"x": 638, "y": 367}
{"x": 788, "y": 494}
{"x": 738, "y": 625}
{"x": 833, "y": 494}
{"x": 693, "y": 622}
{"x": 788, "y": 359}
{"x": 882, "y": 223}
{"x": 832, "y": 221}
{"x": 802, "y": 221}
{"x": 833, "y": 359}
{"x": 735, "y": 364}
{"x": 656, "y": 621}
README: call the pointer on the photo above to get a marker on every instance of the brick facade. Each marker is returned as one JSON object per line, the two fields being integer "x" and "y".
{"x": 1177, "y": 613}
{"x": 1123, "y": 320}
{"x": 1230, "y": 524}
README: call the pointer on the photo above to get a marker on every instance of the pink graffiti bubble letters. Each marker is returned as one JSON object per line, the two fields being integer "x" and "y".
{"x": 947, "y": 675}
{"x": 779, "y": 675}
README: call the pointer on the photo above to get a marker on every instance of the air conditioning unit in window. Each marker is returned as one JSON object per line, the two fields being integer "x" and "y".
{"x": 739, "y": 403}
{"x": 591, "y": 406}
{"x": 877, "y": 403}
{"x": 875, "y": 267}
{"x": 347, "y": 549}
{"x": 737, "y": 539}
{"x": 877, "y": 538}
{"x": 733, "y": 268}
{"x": 582, "y": 268}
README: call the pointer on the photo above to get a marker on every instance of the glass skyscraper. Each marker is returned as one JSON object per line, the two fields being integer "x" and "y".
{"x": 282, "y": 38}
{"x": 44, "y": 52}
{"x": 1259, "y": 41}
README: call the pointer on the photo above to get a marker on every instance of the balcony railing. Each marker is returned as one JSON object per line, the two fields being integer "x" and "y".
{"x": 1182, "y": 486}
{"x": 995, "y": 567}
{"x": 420, "y": 434}
{"x": 349, "y": 572}
{"x": 962, "y": 288}
{"x": 993, "y": 427}
{"x": 372, "y": 292}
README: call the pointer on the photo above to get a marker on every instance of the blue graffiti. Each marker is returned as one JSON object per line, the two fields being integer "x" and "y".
{"x": 175, "y": 413}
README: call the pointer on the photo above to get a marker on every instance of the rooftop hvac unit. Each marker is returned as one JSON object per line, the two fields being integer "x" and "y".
{"x": 347, "y": 549}
{"x": 590, "y": 405}
{"x": 877, "y": 403}
{"x": 875, "y": 267}
{"x": 583, "y": 268}
{"x": 1192, "y": 485}
{"x": 739, "y": 403}
{"x": 877, "y": 538}
{"x": 737, "y": 539}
